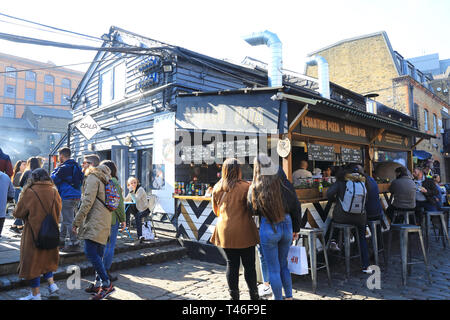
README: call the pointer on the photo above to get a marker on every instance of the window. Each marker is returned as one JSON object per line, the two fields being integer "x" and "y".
{"x": 65, "y": 83}
{"x": 10, "y": 91}
{"x": 49, "y": 79}
{"x": 145, "y": 167}
{"x": 434, "y": 124}
{"x": 11, "y": 72}
{"x": 112, "y": 84}
{"x": 48, "y": 97}
{"x": 9, "y": 111}
{"x": 30, "y": 76}
{"x": 425, "y": 119}
{"x": 30, "y": 94}
{"x": 65, "y": 100}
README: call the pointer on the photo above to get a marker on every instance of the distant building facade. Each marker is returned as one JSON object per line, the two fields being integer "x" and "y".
{"x": 34, "y": 105}
{"x": 369, "y": 66}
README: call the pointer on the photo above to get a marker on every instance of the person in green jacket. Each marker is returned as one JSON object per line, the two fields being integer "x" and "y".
{"x": 117, "y": 218}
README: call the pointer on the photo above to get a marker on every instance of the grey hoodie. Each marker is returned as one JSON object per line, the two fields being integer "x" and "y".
{"x": 403, "y": 190}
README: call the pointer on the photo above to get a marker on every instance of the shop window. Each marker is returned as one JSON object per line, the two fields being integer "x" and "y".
{"x": 30, "y": 94}
{"x": 144, "y": 170}
{"x": 49, "y": 79}
{"x": 30, "y": 76}
{"x": 10, "y": 91}
{"x": 425, "y": 120}
{"x": 65, "y": 83}
{"x": 9, "y": 111}
{"x": 11, "y": 72}
{"x": 112, "y": 84}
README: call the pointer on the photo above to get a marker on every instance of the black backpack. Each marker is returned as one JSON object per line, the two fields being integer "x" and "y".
{"x": 48, "y": 237}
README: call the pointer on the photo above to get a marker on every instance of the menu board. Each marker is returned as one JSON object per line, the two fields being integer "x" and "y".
{"x": 318, "y": 152}
{"x": 351, "y": 155}
{"x": 220, "y": 150}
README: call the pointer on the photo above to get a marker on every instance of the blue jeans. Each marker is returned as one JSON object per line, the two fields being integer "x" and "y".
{"x": 94, "y": 252}
{"x": 264, "y": 270}
{"x": 109, "y": 249}
{"x": 275, "y": 248}
{"x": 36, "y": 282}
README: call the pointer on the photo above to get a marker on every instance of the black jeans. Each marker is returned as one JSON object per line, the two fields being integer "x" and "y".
{"x": 137, "y": 217}
{"x": 234, "y": 257}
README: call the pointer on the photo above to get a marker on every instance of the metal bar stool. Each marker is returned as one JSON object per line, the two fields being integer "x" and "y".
{"x": 347, "y": 228}
{"x": 373, "y": 230}
{"x": 443, "y": 232}
{"x": 447, "y": 215}
{"x": 405, "y": 230}
{"x": 405, "y": 214}
{"x": 312, "y": 235}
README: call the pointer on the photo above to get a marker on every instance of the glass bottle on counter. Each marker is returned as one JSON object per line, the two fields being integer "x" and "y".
{"x": 320, "y": 188}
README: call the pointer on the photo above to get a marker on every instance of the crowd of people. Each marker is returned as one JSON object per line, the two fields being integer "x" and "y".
{"x": 75, "y": 196}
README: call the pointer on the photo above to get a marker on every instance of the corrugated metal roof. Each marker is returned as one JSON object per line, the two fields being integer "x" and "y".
{"x": 50, "y": 112}
{"x": 15, "y": 123}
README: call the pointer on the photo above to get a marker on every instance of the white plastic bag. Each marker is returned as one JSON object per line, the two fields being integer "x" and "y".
{"x": 297, "y": 260}
{"x": 147, "y": 231}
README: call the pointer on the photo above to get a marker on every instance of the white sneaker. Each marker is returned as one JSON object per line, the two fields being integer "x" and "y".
{"x": 32, "y": 297}
{"x": 264, "y": 290}
{"x": 53, "y": 288}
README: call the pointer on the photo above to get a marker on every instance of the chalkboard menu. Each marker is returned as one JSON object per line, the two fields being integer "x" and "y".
{"x": 351, "y": 155}
{"x": 220, "y": 150}
{"x": 319, "y": 152}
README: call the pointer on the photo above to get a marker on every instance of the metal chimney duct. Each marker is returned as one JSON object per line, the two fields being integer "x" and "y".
{"x": 273, "y": 42}
{"x": 322, "y": 74}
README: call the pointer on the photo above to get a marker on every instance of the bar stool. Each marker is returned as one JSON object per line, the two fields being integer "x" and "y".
{"x": 447, "y": 214}
{"x": 374, "y": 230}
{"x": 312, "y": 235}
{"x": 405, "y": 214}
{"x": 347, "y": 228}
{"x": 443, "y": 233}
{"x": 405, "y": 230}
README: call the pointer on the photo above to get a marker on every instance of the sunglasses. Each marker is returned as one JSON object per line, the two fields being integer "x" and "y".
{"x": 87, "y": 162}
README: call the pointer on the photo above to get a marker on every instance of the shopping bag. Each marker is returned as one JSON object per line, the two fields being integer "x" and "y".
{"x": 147, "y": 231}
{"x": 297, "y": 260}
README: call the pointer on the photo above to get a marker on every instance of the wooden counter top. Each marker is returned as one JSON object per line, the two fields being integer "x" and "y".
{"x": 195, "y": 198}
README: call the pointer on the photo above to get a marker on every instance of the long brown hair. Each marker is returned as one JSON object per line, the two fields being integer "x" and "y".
{"x": 265, "y": 191}
{"x": 17, "y": 168}
{"x": 231, "y": 174}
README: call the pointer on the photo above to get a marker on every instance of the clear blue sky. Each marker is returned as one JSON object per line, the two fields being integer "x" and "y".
{"x": 216, "y": 28}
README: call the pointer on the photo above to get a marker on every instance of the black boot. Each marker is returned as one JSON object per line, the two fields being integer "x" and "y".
{"x": 234, "y": 294}
{"x": 254, "y": 295}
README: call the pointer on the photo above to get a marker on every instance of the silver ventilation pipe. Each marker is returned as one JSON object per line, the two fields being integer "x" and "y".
{"x": 322, "y": 74}
{"x": 273, "y": 42}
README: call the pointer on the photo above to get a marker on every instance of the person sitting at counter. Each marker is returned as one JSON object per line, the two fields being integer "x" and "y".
{"x": 301, "y": 173}
{"x": 327, "y": 172}
{"x": 317, "y": 173}
{"x": 336, "y": 192}
{"x": 403, "y": 189}
{"x": 426, "y": 194}
{"x": 137, "y": 204}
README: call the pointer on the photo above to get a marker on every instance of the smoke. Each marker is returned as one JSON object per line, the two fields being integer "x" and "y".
{"x": 18, "y": 146}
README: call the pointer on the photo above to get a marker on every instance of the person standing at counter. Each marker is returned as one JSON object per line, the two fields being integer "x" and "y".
{"x": 139, "y": 208}
{"x": 276, "y": 202}
{"x": 301, "y": 173}
{"x": 235, "y": 230}
{"x": 336, "y": 192}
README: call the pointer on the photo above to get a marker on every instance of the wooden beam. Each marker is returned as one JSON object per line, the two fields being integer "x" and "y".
{"x": 287, "y": 162}
{"x": 380, "y": 131}
{"x": 298, "y": 119}
{"x": 415, "y": 145}
{"x": 410, "y": 161}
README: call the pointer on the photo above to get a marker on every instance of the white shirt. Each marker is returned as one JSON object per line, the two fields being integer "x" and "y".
{"x": 301, "y": 174}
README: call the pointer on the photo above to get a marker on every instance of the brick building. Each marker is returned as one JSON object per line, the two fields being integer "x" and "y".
{"x": 369, "y": 66}
{"x": 34, "y": 105}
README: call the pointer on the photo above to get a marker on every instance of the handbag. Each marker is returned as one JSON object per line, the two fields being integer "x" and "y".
{"x": 297, "y": 260}
{"x": 147, "y": 231}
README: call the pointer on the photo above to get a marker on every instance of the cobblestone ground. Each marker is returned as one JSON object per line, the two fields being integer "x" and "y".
{"x": 188, "y": 279}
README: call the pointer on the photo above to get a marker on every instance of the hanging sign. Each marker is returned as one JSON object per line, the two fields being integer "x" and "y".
{"x": 88, "y": 127}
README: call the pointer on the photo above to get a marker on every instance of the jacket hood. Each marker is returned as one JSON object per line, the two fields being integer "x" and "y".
{"x": 355, "y": 177}
{"x": 102, "y": 172}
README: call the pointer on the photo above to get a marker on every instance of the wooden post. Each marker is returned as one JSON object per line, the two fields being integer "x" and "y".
{"x": 368, "y": 159}
{"x": 287, "y": 162}
{"x": 410, "y": 163}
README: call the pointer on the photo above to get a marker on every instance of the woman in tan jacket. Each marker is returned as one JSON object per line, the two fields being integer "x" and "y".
{"x": 38, "y": 198}
{"x": 235, "y": 230}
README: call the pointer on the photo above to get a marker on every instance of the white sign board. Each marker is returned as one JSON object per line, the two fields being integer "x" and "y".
{"x": 88, "y": 127}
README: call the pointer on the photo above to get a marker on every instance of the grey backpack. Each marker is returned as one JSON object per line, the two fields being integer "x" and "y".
{"x": 354, "y": 197}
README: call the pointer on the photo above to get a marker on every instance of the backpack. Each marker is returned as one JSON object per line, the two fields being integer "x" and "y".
{"x": 112, "y": 196}
{"x": 48, "y": 237}
{"x": 354, "y": 197}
